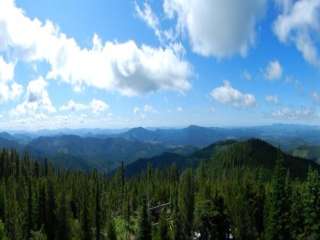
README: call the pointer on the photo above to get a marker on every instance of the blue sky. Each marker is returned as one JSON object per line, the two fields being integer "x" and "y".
{"x": 168, "y": 63}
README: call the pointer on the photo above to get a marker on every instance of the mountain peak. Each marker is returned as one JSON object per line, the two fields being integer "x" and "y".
{"x": 139, "y": 129}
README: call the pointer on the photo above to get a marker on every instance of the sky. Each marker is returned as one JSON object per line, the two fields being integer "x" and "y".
{"x": 158, "y": 63}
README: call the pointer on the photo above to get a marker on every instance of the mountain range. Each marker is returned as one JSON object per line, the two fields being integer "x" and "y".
{"x": 105, "y": 149}
{"x": 252, "y": 153}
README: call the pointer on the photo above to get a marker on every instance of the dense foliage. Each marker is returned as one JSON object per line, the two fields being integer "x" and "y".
{"x": 38, "y": 201}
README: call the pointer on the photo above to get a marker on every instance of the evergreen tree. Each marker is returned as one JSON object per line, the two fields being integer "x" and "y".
{"x": 3, "y": 235}
{"x": 42, "y": 207}
{"x": 64, "y": 229}
{"x": 38, "y": 235}
{"x": 311, "y": 208}
{"x": 98, "y": 212}
{"x": 111, "y": 234}
{"x": 163, "y": 228}
{"x": 186, "y": 203}
{"x": 30, "y": 211}
{"x": 86, "y": 223}
{"x": 296, "y": 215}
{"x": 144, "y": 226}
{"x": 278, "y": 219}
{"x": 212, "y": 220}
{"x": 51, "y": 222}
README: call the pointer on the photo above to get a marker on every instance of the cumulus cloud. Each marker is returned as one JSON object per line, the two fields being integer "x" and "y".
{"x": 9, "y": 89}
{"x": 301, "y": 113}
{"x": 73, "y": 106}
{"x": 299, "y": 24}
{"x": 145, "y": 109}
{"x": 98, "y": 106}
{"x": 37, "y": 100}
{"x": 95, "y": 106}
{"x": 122, "y": 67}
{"x": 203, "y": 20}
{"x": 226, "y": 94}
{"x": 273, "y": 70}
{"x": 272, "y": 99}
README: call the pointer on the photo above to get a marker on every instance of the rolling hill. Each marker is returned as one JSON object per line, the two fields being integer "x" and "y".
{"x": 308, "y": 151}
{"x": 252, "y": 153}
{"x": 85, "y": 153}
{"x": 285, "y": 135}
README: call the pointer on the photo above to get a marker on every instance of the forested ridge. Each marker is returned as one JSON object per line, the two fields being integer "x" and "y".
{"x": 210, "y": 201}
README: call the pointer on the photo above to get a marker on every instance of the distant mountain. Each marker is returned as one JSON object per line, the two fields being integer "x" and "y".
{"x": 140, "y": 134}
{"x": 252, "y": 153}
{"x": 286, "y": 136}
{"x": 5, "y": 135}
{"x": 104, "y": 149}
{"x": 192, "y": 135}
{"x": 8, "y": 143}
{"x": 85, "y": 153}
{"x": 308, "y": 152}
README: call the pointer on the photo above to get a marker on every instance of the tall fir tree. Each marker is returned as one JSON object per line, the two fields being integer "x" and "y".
{"x": 111, "y": 232}
{"x": 64, "y": 228}
{"x": 144, "y": 225}
{"x": 311, "y": 206}
{"x": 278, "y": 219}
{"x": 186, "y": 203}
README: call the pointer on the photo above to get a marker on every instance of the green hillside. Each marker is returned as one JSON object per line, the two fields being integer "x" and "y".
{"x": 253, "y": 153}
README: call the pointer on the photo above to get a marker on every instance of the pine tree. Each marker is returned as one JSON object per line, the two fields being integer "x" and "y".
{"x": 186, "y": 203}
{"x": 98, "y": 212}
{"x": 86, "y": 223}
{"x": 30, "y": 216}
{"x": 38, "y": 235}
{"x": 51, "y": 222}
{"x": 163, "y": 228}
{"x": 3, "y": 235}
{"x": 144, "y": 226}
{"x": 311, "y": 208}
{"x": 64, "y": 229}
{"x": 212, "y": 220}
{"x": 42, "y": 207}
{"x": 296, "y": 215}
{"x": 111, "y": 232}
{"x": 278, "y": 219}
{"x": 177, "y": 230}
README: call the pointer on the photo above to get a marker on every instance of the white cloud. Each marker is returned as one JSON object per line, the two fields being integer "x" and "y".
{"x": 143, "y": 112}
{"x": 36, "y": 101}
{"x": 217, "y": 28}
{"x": 145, "y": 109}
{"x": 226, "y": 94}
{"x": 73, "y": 106}
{"x": 95, "y": 106}
{"x": 273, "y": 70}
{"x": 299, "y": 23}
{"x": 272, "y": 99}
{"x": 301, "y": 113}
{"x": 149, "y": 17}
{"x": 98, "y": 106}
{"x": 179, "y": 109}
{"x": 122, "y": 67}
{"x": 9, "y": 89}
